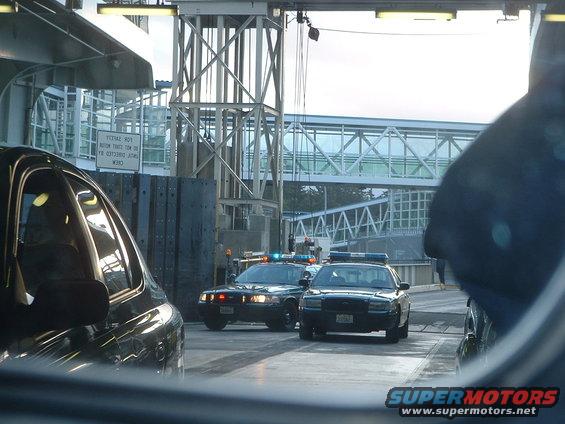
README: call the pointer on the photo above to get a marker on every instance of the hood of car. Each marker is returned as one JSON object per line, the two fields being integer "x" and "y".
{"x": 351, "y": 291}
{"x": 254, "y": 288}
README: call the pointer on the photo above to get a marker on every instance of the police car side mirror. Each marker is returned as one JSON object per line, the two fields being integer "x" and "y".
{"x": 404, "y": 286}
{"x": 231, "y": 278}
{"x": 61, "y": 305}
{"x": 304, "y": 283}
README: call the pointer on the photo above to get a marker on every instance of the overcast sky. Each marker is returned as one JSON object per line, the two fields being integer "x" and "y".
{"x": 471, "y": 73}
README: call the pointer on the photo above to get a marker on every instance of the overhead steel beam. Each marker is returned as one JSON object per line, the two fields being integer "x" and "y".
{"x": 220, "y": 108}
{"x": 247, "y": 7}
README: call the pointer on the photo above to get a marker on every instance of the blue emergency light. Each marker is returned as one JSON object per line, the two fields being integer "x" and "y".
{"x": 358, "y": 257}
{"x": 283, "y": 257}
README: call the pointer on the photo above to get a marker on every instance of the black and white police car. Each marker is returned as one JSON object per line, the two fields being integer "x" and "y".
{"x": 355, "y": 292}
{"x": 267, "y": 292}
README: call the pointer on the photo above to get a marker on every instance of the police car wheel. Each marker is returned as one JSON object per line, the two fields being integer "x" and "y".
{"x": 287, "y": 320}
{"x": 393, "y": 334}
{"x": 306, "y": 332}
{"x": 404, "y": 328}
{"x": 216, "y": 323}
{"x": 289, "y": 317}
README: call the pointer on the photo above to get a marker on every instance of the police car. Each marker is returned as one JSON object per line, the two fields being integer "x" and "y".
{"x": 266, "y": 292}
{"x": 355, "y": 292}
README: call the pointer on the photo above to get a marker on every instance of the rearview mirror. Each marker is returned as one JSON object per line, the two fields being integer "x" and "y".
{"x": 304, "y": 283}
{"x": 404, "y": 286}
{"x": 60, "y": 305}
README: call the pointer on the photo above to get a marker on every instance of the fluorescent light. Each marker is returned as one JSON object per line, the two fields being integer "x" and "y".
{"x": 424, "y": 15}
{"x": 8, "y": 7}
{"x": 554, "y": 17}
{"x": 137, "y": 9}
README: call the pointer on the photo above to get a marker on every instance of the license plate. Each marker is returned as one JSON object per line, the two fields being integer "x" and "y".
{"x": 226, "y": 310}
{"x": 344, "y": 319}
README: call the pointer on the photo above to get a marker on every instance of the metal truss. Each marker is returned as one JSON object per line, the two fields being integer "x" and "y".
{"x": 226, "y": 100}
{"x": 398, "y": 212}
{"x": 372, "y": 152}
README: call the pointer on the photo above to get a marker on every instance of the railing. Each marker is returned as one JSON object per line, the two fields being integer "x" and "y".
{"x": 416, "y": 273}
{"x": 401, "y": 212}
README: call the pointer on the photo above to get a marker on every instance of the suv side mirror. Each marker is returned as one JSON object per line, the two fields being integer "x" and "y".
{"x": 60, "y": 305}
{"x": 304, "y": 283}
{"x": 404, "y": 286}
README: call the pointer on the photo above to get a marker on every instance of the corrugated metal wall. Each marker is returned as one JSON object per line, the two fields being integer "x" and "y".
{"x": 173, "y": 221}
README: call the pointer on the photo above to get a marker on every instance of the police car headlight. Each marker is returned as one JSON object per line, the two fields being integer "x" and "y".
{"x": 380, "y": 306}
{"x": 311, "y": 302}
{"x": 203, "y": 297}
{"x": 262, "y": 298}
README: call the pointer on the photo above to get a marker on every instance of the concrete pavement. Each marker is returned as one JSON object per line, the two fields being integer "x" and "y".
{"x": 350, "y": 361}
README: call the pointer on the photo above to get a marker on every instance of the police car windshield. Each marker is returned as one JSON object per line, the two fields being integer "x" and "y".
{"x": 272, "y": 274}
{"x": 354, "y": 276}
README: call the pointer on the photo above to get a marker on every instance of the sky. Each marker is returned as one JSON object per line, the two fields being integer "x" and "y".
{"x": 468, "y": 70}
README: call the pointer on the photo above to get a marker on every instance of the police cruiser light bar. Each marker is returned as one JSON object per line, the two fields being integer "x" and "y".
{"x": 358, "y": 257}
{"x": 284, "y": 257}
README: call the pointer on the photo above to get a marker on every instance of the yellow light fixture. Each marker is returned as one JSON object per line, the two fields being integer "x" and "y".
{"x": 136, "y": 9}
{"x": 419, "y": 15}
{"x": 41, "y": 199}
{"x": 554, "y": 17}
{"x": 8, "y": 7}
{"x": 91, "y": 201}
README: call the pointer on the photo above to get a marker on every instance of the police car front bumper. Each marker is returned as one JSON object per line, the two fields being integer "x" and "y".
{"x": 359, "y": 322}
{"x": 248, "y": 312}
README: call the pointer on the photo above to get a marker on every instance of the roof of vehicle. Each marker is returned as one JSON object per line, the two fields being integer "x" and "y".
{"x": 300, "y": 264}
{"x": 13, "y": 154}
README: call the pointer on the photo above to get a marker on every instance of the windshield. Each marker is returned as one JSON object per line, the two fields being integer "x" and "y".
{"x": 354, "y": 276}
{"x": 272, "y": 274}
{"x": 175, "y": 175}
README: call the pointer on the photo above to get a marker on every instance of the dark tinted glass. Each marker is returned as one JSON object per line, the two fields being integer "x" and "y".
{"x": 272, "y": 274}
{"x": 354, "y": 276}
{"x": 110, "y": 256}
{"x": 47, "y": 242}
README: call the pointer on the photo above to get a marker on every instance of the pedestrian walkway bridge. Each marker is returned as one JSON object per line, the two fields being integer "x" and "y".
{"x": 371, "y": 152}
{"x": 395, "y": 213}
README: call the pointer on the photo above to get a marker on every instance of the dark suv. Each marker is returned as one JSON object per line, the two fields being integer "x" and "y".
{"x": 75, "y": 289}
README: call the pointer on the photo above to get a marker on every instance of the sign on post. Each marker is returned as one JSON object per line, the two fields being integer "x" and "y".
{"x": 118, "y": 150}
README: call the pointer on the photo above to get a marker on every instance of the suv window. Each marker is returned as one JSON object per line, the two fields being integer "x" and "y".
{"x": 47, "y": 241}
{"x": 110, "y": 254}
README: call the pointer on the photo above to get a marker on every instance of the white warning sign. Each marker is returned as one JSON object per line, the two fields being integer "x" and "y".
{"x": 118, "y": 150}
